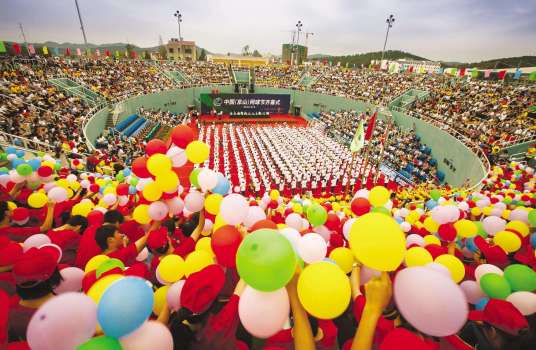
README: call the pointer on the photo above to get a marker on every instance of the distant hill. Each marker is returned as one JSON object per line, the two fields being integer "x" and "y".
{"x": 365, "y": 58}
{"x": 318, "y": 56}
{"x": 498, "y": 63}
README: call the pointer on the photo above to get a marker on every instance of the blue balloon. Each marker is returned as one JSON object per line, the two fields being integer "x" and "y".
{"x": 329, "y": 260}
{"x": 17, "y": 142}
{"x": 16, "y": 162}
{"x": 399, "y": 220}
{"x": 481, "y": 304}
{"x": 132, "y": 190}
{"x": 533, "y": 240}
{"x": 20, "y": 153}
{"x": 125, "y": 306}
{"x": 126, "y": 172}
{"x": 11, "y": 150}
{"x": 223, "y": 185}
{"x": 431, "y": 204}
{"x": 34, "y": 163}
{"x": 470, "y": 244}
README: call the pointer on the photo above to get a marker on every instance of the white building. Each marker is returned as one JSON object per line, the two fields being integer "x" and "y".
{"x": 403, "y": 65}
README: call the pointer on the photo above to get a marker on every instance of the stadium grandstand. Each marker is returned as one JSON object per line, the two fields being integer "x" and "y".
{"x": 162, "y": 199}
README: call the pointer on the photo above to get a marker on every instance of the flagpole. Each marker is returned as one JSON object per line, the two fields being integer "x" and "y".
{"x": 385, "y": 143}
{"x": 349, "y": 173}
{"x": 369, "y": 146}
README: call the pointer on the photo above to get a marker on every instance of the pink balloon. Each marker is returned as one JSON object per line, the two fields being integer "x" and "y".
{"x": 439, "y": 268}
{"x": 312, "y": 248}
{"x": 483, "y": 269}
{"x": 158, "y": 210}
{"x": 366, "y": 274}
{"x": 292, "y": 235}
{"x": 52, "y": 327}
{"x": 207, "y": 179}
{"x": 173, "y": 295}
{"x": 415, "y": 239}
{"x": 346, "y": 228}
{"x": 151, "y": 335}
{"x": 234, "y": 209}
{"x": 109, "y": 198}
{"x": 255, "y": 214}
{"x": 57, "y": 195}
{"x": 519, "y": 215}
{"x": 430, "y": 301}
{"x": 472, "y": 291}
{"x": 72, "y": 280}
{"x": 493, "y": 224}
{"x": 294, "y": 220}
{"x": 323, "y": 231}
{"x": 143, "y": 255}
{"x": 175, "y": 205}
{"x": 194, "y": 201}
{"x": 263, "y": 314}
{"x": 35, "y": 241}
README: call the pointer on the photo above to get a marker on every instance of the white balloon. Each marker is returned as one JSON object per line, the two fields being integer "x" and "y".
{"x": 362, "y": 193}
{"x": 323, "y": 231}
{"x": 175, "y": 205}
{"x": 234, "y": 209}
{"x": 194, "y": 202}
{"x": 525, "y": 302}
{"x": 143, "y": 255}
{"x": 483, "y": 269}
{"x": 294, "y": 220}
{"x": 255, "y": 214}
{"x": 292, "y": 235}
{"x": 346, "y": 228}
{"x": 173, "y": 295}
{"x": 312, "y": 248}
{"x": 207, "y": 179}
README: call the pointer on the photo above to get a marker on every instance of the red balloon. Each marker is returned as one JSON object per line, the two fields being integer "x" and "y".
{"x": 122, "y": 189}
{"x": 94, "y": 188}
{"x": 447, "y": 232}
{"x": 333, "y": 223}
{"x": 44, "y": 171}
{"x": 360, "y": 206}
{"x": 95, "y": 217}
{"x": 182, "y": 135}
{"x": 273, "y": 204}
{"x": 139, "y": 167}
{"x": 263, "y": 224}
{"x": 225, "y": 242}
{"x": 436, "y": 250}
{"x": 155, "y": 146}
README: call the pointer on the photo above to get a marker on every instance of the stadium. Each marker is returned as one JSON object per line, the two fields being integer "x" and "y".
{"x": 171, "y": 198}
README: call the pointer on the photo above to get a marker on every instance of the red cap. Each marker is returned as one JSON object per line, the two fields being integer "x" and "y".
{"x": 402, "y": 339}
{"x": 34, "y": 265}
{"x": 502, "y": 315}
{"x": 157, "y": 238}
{"x": 9, "y": 251}
{"x": 201, "y": 288}
{"x": 20, "y": 214}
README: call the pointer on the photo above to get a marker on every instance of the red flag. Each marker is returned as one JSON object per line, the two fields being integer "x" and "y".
{"x": 462, "y": 72}
{"x": 67, "y": 52}
{"x": 78, "y": 51}
{"x": 502, "y": 74}
{"x": 411, "y": 69}
{"x": 107, "y": 53}
{"x": 31, "y": 49}
{"x": 97, "y": 52}
{"x": 370, "y": 126}
{"x": 16, "y": 48}
{"x": 133, "y": 54}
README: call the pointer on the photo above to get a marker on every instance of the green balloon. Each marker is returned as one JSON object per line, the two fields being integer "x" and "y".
{"x": 480, "y": 229}
{"x": 3, "y": 156}
{"x": 520, "y": 277}
{"x": 57, "y": 166}
{"x": 317, "y": 215}
{"x": 265, "y": 260}
{"x": 4, "y": 169}
{"x": 193, "y": 177}
{"x": 134, "y": 181}
{"x": 381, "y": 210}
{"x": 120, "y": 177}
{"x": 435, "y": 194}
{"x": 24, "y": 169}
{"x": 532, "y": 217}
{"x": 495, "y": 286}
{"x": 507, "y": 200}
{"x": 108, "y": 265}
{"x": 101, "y": 343}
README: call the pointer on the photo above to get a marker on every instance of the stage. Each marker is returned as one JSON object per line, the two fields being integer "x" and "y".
{"x": 275, "y": 118}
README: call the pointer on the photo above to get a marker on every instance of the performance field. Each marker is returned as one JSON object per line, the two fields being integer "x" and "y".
{"x": 171, "y": 198}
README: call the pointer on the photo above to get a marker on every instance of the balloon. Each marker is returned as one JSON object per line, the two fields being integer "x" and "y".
{"x": 493, "y": 224}
{"x": 472, "y": 291}
{"x": 204, "y": 244}
{"x": 141, "y": 214}
{"x": 171, "y": 268}
{"x": 155, "y": 146}
{"x": 324, "y": 290}
{"x": 465, "y": 228}
{"x": 225, "y": 242}
{"x": 294, "y": 220}
{"x": 101, "y": 343}
{"x": 95, "y": 262}
{"x": 151, "y": 335}
{"x": 173, "y": 295}
{"x": 532, "y": 217}
{"x": 207, "y": 179}
{"x": 167, "y": 181}
{"x": 194, "y": 202}
{"x": 524, "y": 301}
{"x": 508, "y": 241}
{"x": 378, "y": 196}
{"x": 193, "y": 177}
{"x": 52, "y": 328}
{"x": 72, "y": 280}
{"x": 57, "y": 195}
{"x": 377, "y": 241}
{"x": 435, "y": 194}
{"x": 415, "y": 239}
{"x": 182, "y": 135}
{"x": 196, "y": 261}
{"x": 37, "y": 200}
{"x": 520, "y": 277}
{"x": 291, "y": 235}
{"x": 139, "y": 167}
{"x": 197, "y": 152}
{"x": 96, "y": 291}
{"x": 143, "y": 255}
{"x": 234, "y": 209}
{"x": 495, "y": 286}
{"x": 519, "y": 227}
{"x": 152, "y": 192}
{"x": 417, "y": 256}
{"x": 107, "y": 265}
{"x": 255, "y": 214}
{"x": 124, "y": 306}
{"x": 483, "y": 269}
{"x": 317, "y": 215}
{"x": 430, "y": 225}
{"x": 175, "y": 205}
{"x": 160, "y": 299}
{"x": 265, "y": 260}
{"x": 157, "y": 211}
{"x": 35, "y": 241}
{"x": 343, "y": 257}
{"x": 263, "y": 314}
{"x": 223, "y": 185}
{"x": 420, "y": 294}
{"x": 455, "y": 266}
{"x": 366, "y": 274}
{"x": 346, "y": 228}
{"x": 159, "y": 164}
{"x": 212, "y": 203}
{"x": 312, "y": 248}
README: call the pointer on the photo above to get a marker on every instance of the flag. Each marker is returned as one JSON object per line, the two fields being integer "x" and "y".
{"x": 88, "y": 52}
{"x": 453, "y": 71}
{"x": 502, "y": 74}
{"x": 78, "y": 51}
{"x": 359, "y": 138}
{"x": 370, "y": 126}
{"x": 422, "y": 70}
{"x": 410, "y": 69}
{"x": 532, "y": 76}
{"x": 339, "y": 64}
{"x": 474, "y": 73}
{"x": 45, "y": 50}
{"x": 462, "y": 72}
{"x": 56, "y": 51}
{"x": 370, "y": 65}
{"x": 31, "y": 49}
{"x": 517, "y": 74}
{"x": 2, "y": 47}
{"x": 117, "y": 53}
{"x": 68, "y": 52}
{"x": 97, "y": 52}
{"x": 126, "y": 54}
{"x": 107, "y": 53}
{"x": 133, "y": 54}
{"x": 487, "y": 73}
{"x": 16, "y": 48}
{"x": 440, "y": 70}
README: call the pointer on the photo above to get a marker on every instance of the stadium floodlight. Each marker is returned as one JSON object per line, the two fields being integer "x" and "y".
{"x": 299, "y": 26}
{"x": 81, "y": 23}
{"x": 390, "y": 20}
{"x": 179, "y": 20}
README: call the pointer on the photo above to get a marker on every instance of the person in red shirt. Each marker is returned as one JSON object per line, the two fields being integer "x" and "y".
{"x": 20, "y": 233}
{"x": 67, "y": 237}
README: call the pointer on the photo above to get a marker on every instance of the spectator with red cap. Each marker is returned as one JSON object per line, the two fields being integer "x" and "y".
{"x": 20, "y": 233}
{"x": 67, "y": 237}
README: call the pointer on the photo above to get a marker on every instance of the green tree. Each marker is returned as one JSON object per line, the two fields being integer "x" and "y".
{"x": 202, "y": 55}
{"x": 147, "y": 55}
{"x": 129, "y": 49}
{"x": 256, "y": 53}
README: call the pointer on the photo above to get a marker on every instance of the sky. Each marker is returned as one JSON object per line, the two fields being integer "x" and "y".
{"x": 447, "y": 30}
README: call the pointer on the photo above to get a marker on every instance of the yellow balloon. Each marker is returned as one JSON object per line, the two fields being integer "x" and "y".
{"x": 95, "y": 262}
{"x": 63, "y": 183}
{"x": 82, "y": 209}
{"x": 430, "y": 225}
{"x": 518, "y": 226}
{"x": 413, "y": 216}
{"x": 486, "y": 210}
{"x": 98, "y": 288}
{"x": 152, "y": 192}
{"x": 465, "y": 228}
{"x": 297, "y": 208}
{"x": 274, "y": 195}
{"x": 336, "y": 206}
{"x": 378, "y": 196}
{"x": 508, "y": 241}
{"x": 417, "y": 256}
{"x": 455, "y": 266}
{"x": 197, "y": 152}
{"x": 141, "y": 214}
{"x": 204, "y": 244}
{"x": 506, "y": 214}
{"x": 213, "y": 202}
{"x": 218, "y": 222}
{"x": 197, "y": 261}
{"x": 171, "y": 268}
{"x": 324, "y": 290}
{"x": 160, "y": 300}
{"x": 37, "y": 200}
{"x": 377, "y": 241}
{"x": 158, "y": 163}
{"x": 108, "y": 190}
{"x": 343, "y": 257}
{"x": 476, "y": 211}
{"x": 167, "y": 181}
{"x": 430, "y": 239}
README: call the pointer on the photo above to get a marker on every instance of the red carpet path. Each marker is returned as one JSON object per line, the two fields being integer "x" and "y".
{"x": 285, "y": 118}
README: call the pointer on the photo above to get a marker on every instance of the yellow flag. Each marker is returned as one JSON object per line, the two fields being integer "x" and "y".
{"x": 45, "y": 50}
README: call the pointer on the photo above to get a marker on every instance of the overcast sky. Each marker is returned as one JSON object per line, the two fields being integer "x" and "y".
{"x": 451, "y": 30}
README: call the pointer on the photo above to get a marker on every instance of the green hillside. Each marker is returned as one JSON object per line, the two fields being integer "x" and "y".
{"x": 365, "y": 58}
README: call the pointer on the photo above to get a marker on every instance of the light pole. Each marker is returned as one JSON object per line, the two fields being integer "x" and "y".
{"x": 179, "y": 20}
{"x": 390, "y": 20}
{"x": 81, "y": 23}
{"x": 299, "y": 25}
